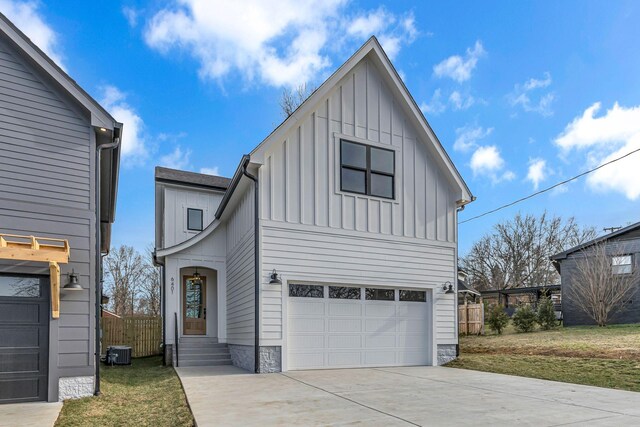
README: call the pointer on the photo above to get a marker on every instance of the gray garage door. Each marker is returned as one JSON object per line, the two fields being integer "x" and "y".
{"x": 24, "y": 338}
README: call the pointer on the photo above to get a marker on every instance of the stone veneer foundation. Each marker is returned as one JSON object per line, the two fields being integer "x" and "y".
{"x": 74, "y": 387}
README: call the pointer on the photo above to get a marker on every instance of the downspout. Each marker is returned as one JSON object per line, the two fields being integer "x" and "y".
{"x": 163, "y": 310}
{"x": 99, "y": 148}
{"x": 459, "y": 208}
{"x": 256, "y": 259}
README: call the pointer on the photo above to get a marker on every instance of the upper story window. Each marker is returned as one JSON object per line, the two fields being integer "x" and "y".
{"x": 367, "y": 170}
{"x": 194, "y": 219}
{"x": 621, "y": 264}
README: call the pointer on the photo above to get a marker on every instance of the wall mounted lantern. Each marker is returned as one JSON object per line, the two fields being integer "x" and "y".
{"x": 275, "y": 280}
{"x": 73, "y": 284}
{"x": 448, "y": 288}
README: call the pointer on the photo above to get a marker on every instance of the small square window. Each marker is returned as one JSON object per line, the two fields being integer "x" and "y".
{"x": 621, "y": 264}
{"x": 194, "y": 219}
{"x": 367, "y": 170}
{"x": 380, "y": 294}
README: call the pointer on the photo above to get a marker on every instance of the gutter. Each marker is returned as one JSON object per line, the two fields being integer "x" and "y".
{"x": 113, "y": 145}
{"x": 256, "y": 259}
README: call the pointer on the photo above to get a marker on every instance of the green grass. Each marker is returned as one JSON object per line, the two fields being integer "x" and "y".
{"x": 604, "y": 357}
{"x": 143, "y": 394}
{"x": 619, "y": 374}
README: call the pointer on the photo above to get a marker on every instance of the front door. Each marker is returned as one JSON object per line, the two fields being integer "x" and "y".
{"x": 194, "y": 306}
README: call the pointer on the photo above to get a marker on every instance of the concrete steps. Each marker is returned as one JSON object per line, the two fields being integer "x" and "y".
{"x": 202, "y": 351}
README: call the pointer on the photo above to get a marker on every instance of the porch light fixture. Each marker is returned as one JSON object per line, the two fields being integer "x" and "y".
{"x": 73, "y": 284}
{"x": 275, "y": 280}
{"x": 196, "y": 278}
{"x": 448, "y": 288}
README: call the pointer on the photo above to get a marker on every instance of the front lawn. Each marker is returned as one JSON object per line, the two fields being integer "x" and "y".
{"x": 604, "y": 357}
{"x": 143, "y": 394}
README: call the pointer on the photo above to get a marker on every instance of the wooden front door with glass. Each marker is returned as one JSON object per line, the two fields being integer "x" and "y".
{"x": 194, "y": 306}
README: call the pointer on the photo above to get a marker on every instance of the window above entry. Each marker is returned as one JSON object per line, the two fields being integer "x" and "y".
{"x": 367, "y": 170}
{"x": 194, "y": 219}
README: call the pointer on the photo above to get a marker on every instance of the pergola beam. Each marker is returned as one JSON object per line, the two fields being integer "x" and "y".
{"x": 39, "y": 249}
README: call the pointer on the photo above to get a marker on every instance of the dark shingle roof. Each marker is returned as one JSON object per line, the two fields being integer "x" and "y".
{"x": 618, "y": 233}
{"x": 191, "y": 178}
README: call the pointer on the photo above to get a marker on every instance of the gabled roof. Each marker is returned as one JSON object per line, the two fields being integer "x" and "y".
{"x": 372, "y": 49}
{"x": 99, "y": 116}
{"x": 191, "y": 178}
{"x": 617, "y": 233}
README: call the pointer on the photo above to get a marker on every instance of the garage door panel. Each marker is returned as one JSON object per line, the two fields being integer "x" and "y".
{"x": 412, "y": 341}
{"x": 345, "y": 325}
{"x": 349, "y": 341}
{"x": 412, "y": 309}
{"x": 306, "y": 324}
{"x": 344, "y": 359}
{"x": 412, "y": 358}
{"x": 307, "y": 307}
{"x": 380, "y": 309}
{"x": 19, "y": 362}
{"x": 408, "y": 325}
{"x": 379, "y": 358}
{"x": 12, "y": 312}
{"x": 25, "y": 336}
{"x": 304, "y": 342}
{"x": 345, "y": 309}
{"x": 20, "y": 389}
{"x": 380, "y": 341}
{"x": 380, "y": 325}
{"x": 306, "y": 360}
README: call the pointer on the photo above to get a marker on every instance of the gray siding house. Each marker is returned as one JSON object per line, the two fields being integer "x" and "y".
{"x": 624, "y": 245}
{"x": 333, "y": 245}
{"x": 51, "y": 229}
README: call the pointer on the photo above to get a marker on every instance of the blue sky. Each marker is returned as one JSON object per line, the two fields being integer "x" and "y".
{"x": 521, "y": 94}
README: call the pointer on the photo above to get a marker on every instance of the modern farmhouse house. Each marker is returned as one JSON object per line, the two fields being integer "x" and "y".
{"x": 58, "y": 177}
{"x": 333, "y": 245}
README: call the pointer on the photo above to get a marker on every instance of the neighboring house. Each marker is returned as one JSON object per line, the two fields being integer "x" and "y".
{"x": 466, "y": 293}
{"x": 343, "y": 262}
{"x": 624, "y": 246}
{"x": 49, "y": 188}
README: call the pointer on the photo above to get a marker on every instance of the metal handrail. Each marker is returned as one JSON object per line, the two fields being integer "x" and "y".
{"x": 175, "y": 337}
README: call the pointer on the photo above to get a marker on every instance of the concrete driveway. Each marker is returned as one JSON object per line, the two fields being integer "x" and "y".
{"x": 434, "y": 396}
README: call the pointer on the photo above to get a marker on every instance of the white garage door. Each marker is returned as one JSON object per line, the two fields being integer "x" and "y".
{"x": 343, "y": 327}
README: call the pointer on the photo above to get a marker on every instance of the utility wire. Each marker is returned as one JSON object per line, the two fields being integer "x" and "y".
{"x": 549, "y": 188}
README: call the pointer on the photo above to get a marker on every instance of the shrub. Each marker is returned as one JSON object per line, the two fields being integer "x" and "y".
{"x": 497, "y": 319}
{"x": 546, "y": 314}
{"x": 524, "y": 319}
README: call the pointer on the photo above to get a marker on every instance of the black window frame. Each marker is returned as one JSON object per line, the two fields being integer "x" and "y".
{"x": 368, "y": 171}
{"x": 201, "y": 219}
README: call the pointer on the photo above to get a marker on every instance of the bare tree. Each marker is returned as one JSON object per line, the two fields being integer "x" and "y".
{"x": 516, "y": 254}
{"x": 292, "y": 98}
{"x": 124, "y": 274}
{"x": 599, "y": 286}
{"x": 149, "y": 290}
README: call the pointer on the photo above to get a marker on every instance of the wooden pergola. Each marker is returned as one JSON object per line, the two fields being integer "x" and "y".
{"x": 38, "y": 249}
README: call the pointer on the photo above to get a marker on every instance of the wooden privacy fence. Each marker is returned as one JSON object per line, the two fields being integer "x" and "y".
{"x": 142, "y": 334}
{"x": 471, "y": 319}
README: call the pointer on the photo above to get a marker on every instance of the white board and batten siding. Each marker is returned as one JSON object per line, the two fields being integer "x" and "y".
{"x": 177, "y": 199}
{"x": 311, "y": 231}
{"x": 240, "y": 272}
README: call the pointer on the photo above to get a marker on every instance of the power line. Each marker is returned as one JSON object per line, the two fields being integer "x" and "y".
{"x": 549, "y": 188}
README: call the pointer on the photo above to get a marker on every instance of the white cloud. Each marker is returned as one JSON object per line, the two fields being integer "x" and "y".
{"x": 522, "y": 95}
{"x": 459, "y": 101}
{"x": 177, "y": 159}
{"x": 603, "y": 139}
{"x": 25, "y": 15}
{"x": 211, "y": 171}
{"x": 435, "y": 106}
{"x": 284, "y": 43}
{"x": 467, "y": 137}
{"x": 133, "y": 148}
{"x": 131, "y": 14}
{"x": 458, "y": 68}
{"x": 537, "y": 172}
{"x": 487, "y": 161}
